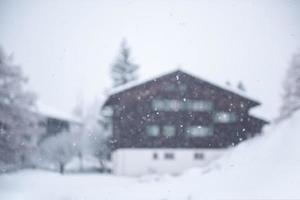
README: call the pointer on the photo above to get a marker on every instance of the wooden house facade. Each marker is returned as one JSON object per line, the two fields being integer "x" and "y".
{"x": 176, "y": 114}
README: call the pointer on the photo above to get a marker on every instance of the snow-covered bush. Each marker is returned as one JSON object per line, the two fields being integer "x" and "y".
{"x": 98, "y": 145}
{"x": 58, "y": 150}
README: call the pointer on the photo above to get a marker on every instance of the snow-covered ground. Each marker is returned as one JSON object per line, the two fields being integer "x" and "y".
{"x": 267, "y": 167}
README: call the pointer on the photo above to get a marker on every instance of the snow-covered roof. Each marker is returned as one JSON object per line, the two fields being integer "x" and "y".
{"x": 134, "y": 83}
{"x": 51, "y": 112}
{"x": 153, "y": 78}
{"x": 256, "y": 112}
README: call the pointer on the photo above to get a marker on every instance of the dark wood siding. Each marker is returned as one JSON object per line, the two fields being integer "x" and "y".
{"x": 133, "y": 112}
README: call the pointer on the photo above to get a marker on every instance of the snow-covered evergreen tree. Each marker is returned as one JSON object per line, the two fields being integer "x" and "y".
{"x": 17, "y": 123}
{"x": 291, "y": 86}
{"x": 123, "y": 70}
{"x": 97, "y": 132}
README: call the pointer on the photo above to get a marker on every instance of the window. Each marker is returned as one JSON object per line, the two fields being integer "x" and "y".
{"x": 169, "y": 131}
{"x": 199, "y": 131}
{"x": 155, "y": 156}
{"x": 198, "y": 156}
{"x": 152, "y": 130}
{"x": 3, "y": 128}
{"x": 182, "y": 88}
{"x": 201, "y": 105}
{"x": 170, "y": 87}
{"x": 225, "y": 117}
{"x": 166, "y": 105}
{"x": 173, "y": 105}
{"x": 158, "y": 104}
{"x": 169, "y": 156}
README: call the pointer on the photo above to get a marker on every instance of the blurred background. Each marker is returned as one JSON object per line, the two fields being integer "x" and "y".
{"x": 66, "y": 48}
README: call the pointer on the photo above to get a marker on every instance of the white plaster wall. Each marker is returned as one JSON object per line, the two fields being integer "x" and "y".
{"x": 134, "y": 162}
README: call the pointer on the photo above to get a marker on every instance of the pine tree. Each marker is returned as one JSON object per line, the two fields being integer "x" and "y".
{"x": 17, "y": 122}
{"x": 228, "y": 83}
{"x": 291, "y": 86}
{"x": 241, "y": 86}
{"x": 123, "y": 70}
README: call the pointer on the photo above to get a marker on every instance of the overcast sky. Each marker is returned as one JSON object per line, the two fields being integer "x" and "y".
{"x": 67, "y": 47}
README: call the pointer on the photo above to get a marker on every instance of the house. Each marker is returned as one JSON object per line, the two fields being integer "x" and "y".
{"x": 54, "y": 121}
{"x": 43, "y": 122}
{"x": 175, "y": 122}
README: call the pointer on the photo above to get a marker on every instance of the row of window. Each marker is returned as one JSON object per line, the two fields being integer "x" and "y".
{"x": 174, "y": 88}
{"x": 192, "y": 105}
{"x": 171, "y": 156}
{"x": 170, "y": 131}
{"x": 184, "y": 105}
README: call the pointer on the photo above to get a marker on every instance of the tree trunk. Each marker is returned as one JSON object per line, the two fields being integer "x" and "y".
{"x": 61, "y": 168}
{"x": 80, "y": 161}
{"x": 102, "y": 166}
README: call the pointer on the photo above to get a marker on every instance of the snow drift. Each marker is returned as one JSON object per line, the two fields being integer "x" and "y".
{"x": 263, "y": 168}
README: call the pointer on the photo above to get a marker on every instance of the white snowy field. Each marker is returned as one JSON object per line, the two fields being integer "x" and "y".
{"x": 267, "y": 167}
